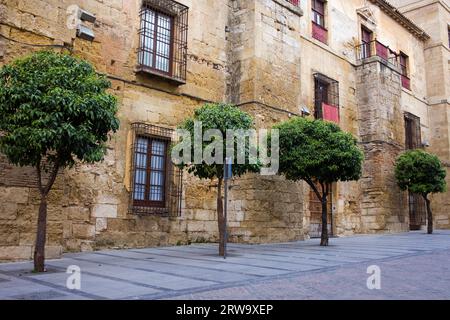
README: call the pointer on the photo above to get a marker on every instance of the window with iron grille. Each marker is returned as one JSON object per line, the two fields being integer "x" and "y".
{"x": 163, "y": 39}
{"x": 326, "y": 98}
{"x": 156, "y": 184}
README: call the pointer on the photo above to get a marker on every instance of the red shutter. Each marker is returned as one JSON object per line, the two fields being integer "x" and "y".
{"x": 382, "y": 51}
{"x": 319, "y": 33}
{"x": 330, "y": 113}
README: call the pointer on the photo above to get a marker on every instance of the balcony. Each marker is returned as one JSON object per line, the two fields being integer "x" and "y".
{"x": 377, "y": 49}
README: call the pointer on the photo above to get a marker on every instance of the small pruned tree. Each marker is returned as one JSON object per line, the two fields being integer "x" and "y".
{"x": 421, "y": 173}
{"x": 319, "y": 153}
{"x": 207, "y": 154}
{"x": 54, "y": 110}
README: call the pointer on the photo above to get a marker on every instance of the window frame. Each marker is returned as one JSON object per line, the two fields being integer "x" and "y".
{"x": 448, "y": 34}
{"x": 328, "y": 96}
{"x": 173, "y": 204}
{"x": 155, "y": 42}
{"x": 148, "y": 169}
{"x": 317, "y": 13}
{"x": 178, "y": 58}
{"x": 366, "y": 47}
{"x": 413, "y": 131}
{"x": 404, "y": 64}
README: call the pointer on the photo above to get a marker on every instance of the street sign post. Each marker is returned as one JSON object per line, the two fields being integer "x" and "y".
{"x": 228, "y": 174}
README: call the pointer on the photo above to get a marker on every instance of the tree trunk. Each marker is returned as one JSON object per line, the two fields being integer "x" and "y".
{"x": 41, "y": 234}
{"x": 429, "y": 215}
{"x": 39, "y": 249}
{"x": 324, "y": 236}
{"x": 220, "y": 219}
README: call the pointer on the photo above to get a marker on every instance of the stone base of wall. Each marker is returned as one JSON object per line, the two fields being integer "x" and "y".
{"x": 440, "y": 204}
{"x": 17, "y": 253}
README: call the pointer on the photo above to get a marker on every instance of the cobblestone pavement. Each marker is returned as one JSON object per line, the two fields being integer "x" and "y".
{"x": 413, "y": 266}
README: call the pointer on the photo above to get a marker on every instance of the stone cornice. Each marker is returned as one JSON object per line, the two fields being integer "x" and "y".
{"x": 395, "y": 14}
{"x": 422, "y": 4}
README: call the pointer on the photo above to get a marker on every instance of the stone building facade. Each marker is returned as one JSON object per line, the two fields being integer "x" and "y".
{"x": 384, "y": 78}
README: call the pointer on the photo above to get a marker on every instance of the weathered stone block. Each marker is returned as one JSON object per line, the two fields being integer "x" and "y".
{"x": 14, "y": 195}
{"x": 8, "y": 210}
{"x": 83, "y": 231}
{"x": 77, "y": 213}
{"x": 104, "y": 211}
{"x": 101, "y": 224}
{"x": 13, "y": 253}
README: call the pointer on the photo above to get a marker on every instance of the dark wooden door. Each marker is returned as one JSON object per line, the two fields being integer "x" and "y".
{"x": 417, "y": 205}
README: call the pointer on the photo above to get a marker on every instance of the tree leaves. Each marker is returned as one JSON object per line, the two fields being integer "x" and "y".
{"x": 53, "y": 103}
{"x": 420, "y": 172}
{"x": 315, "y": 150}
{"x": 220, "y": 117}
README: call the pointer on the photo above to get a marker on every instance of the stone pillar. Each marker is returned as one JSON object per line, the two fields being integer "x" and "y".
{"x": 383, "y": 205}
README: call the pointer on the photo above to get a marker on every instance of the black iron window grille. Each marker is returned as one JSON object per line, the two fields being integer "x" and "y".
{"x": 156, "y": 184}
{"x": 163, "y": 39}
{"x": 326, "y": 91}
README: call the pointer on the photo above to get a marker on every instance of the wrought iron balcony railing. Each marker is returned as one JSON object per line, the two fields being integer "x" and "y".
{"x": 376, "y": 48}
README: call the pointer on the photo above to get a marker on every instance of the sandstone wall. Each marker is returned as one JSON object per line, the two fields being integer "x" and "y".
{"x": 433, "y": 17}
{"x": 88, "y": 208}
{"x": 258, "y": 54}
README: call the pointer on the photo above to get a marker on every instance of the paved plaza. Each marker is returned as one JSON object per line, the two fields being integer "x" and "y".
{"x": 413, "y": 266}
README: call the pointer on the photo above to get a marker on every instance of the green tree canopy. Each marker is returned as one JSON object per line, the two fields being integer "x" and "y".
{"x": 319, "y": 153}
{"x": 315, "y": 150}
{"x": 422, "y": 173}
{"x": 54, "y": 108}
{"x": 219, "y": 117}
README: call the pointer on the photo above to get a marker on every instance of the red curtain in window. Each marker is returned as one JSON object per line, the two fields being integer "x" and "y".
{"x": 382, "y": 51}
{"x": 330, "y": 113}
{"x": 406, "y": 83}
{"x": 319, "y": 33}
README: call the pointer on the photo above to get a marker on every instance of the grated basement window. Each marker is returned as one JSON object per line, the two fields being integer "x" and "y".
{"x": 326, "y": 91}
{"x": 163, "y": 39}
{"x": 156, "y": 184}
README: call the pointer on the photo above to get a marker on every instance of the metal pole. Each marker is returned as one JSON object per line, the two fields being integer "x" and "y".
{"x": 225, "y": 208}
{"x": 227, "y": 176}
